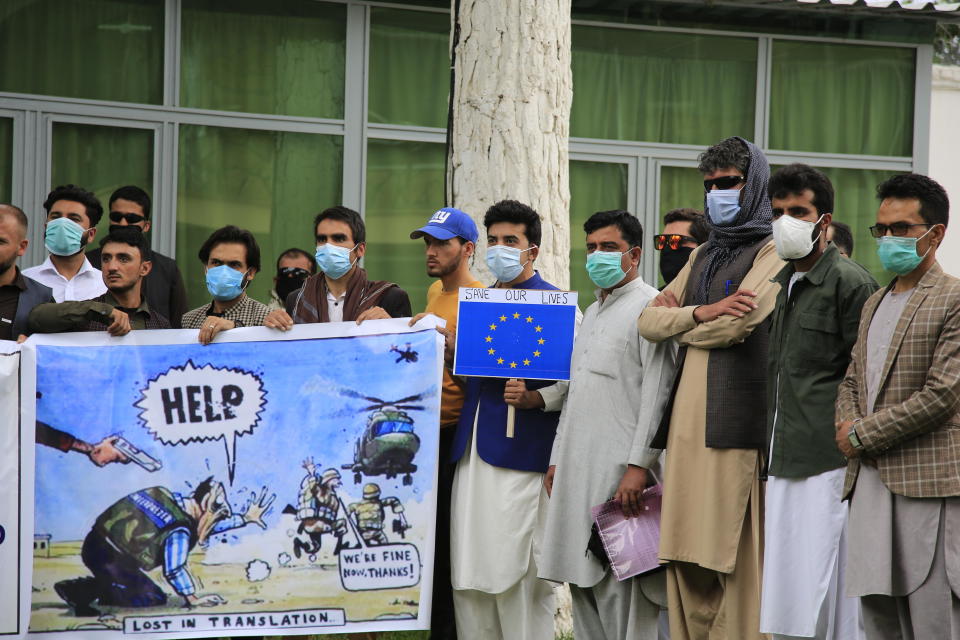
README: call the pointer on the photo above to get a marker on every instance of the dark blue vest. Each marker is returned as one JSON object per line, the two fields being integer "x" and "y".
{"x": 34, "y": 294}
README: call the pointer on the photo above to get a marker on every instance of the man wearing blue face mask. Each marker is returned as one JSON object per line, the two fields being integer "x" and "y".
{"x": 714, "y": 432}
{"x": 231, "y": 258}
{"x": 897, "y": 415}
{"x": 72, "y": 217}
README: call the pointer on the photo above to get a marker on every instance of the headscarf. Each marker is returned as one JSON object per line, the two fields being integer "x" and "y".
{"x": 752, "y": 224}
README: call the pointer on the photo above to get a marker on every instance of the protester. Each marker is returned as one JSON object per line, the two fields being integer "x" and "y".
{"x": 450, "y": 239}
{"x": 683, "y": 231}
{"x": 231, "y": 257}
{"x": 18, "y": 293}
{"x": 813, "y": 328}
{"x": 711, "y": 526}
{"x": 618, "y": 390}
{"x": 841, "y": 235}
{"x": 72, "y": 217}
{"x": 163, "y": 287}
{"x": 294, "y": 266}
{"x": 897, "y": 412}
{"x": 498, "y": 500}
{"x": 126, "y": 260}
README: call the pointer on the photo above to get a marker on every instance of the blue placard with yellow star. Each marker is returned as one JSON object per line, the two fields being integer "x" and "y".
{"x": 515, "y": 333}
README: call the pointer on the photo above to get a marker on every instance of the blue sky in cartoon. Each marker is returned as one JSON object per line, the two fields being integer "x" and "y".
{"x": 91, "y": 392}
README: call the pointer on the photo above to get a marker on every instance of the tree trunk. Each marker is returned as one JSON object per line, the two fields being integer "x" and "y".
{"x": 510, "y": 126}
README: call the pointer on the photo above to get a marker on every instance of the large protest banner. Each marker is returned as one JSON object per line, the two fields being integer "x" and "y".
{"x": 10, "y": 483}
{"x": 228, "y": 495}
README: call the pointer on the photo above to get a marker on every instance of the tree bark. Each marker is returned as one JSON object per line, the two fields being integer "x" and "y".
{"x": 510, "y": 125}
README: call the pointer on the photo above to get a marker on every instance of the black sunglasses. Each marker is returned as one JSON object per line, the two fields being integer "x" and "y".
{"x": 672, "y": 240}
{"x": 897, "y": 228}
{"x": 723, "y": 182}
{"x": 131, "y": 218}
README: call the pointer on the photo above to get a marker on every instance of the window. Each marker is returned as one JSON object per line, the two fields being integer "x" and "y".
{"x": 6, "y": 159}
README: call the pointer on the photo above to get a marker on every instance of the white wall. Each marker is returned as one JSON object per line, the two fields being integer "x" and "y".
{"x": 945, "y": 155}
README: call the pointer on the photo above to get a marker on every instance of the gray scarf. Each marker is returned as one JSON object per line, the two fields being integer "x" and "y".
{"x": 752, "y": 223}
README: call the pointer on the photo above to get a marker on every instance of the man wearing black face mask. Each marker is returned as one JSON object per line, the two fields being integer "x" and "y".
{"x": 163, "y": 287}
{"x": 683, "y": 231}
{"x": 293, "y": 267}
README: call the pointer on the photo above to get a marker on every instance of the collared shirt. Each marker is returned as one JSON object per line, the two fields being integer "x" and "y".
{"x": 813, "y": 328}
{"x": 177, "y": 548}
{"x": 9, "y": 300}
{"x": 87, "y": 284}
{"x": 335, "y": 306}
{"x": 91, "y": 315}
{"x": 245, "y": 312}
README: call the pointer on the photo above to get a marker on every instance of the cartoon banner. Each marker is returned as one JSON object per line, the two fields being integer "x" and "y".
{"x": 266, "y": 484}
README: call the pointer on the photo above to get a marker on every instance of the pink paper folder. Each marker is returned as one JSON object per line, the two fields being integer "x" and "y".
{"x": 631, "y": 543}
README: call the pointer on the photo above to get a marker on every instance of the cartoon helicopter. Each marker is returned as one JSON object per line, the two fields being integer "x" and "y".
{"x": 407, "y": 354}
{"x": 388, "y": 443}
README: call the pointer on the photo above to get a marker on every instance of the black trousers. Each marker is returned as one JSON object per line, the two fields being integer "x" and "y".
{"x": 117, "y": 578}
{"x": 443, "y": 625}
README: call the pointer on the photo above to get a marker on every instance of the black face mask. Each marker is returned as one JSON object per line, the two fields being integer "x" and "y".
{"x": 672, "y": 261}
{"x": 289, "y": 279}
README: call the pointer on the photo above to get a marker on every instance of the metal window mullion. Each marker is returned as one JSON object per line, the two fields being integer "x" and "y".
{"x": 171, "y": 53}
{"x": 18, "y": 153}
{"x": 923, "y": 83}
{"x": 761, "y": 116}
{"x": 355, "y": 107}
{"x": 164, "y": 228}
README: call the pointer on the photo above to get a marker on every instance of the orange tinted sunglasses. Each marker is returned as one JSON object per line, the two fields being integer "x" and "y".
{"x": 673, "y": 240}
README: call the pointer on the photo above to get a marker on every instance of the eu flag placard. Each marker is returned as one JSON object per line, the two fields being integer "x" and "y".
{"x": 515, "y": 333}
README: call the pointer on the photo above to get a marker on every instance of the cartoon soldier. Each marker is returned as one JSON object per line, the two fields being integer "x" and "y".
{"x": 147, "y": 529}
{"x": 318, "y": 510}
{"x": 369, "y": 515}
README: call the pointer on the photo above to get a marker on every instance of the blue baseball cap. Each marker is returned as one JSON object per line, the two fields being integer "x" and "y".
{"x": 447, "y": 223}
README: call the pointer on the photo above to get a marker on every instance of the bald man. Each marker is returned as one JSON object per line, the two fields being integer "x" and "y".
{"x": 18, "y": 293}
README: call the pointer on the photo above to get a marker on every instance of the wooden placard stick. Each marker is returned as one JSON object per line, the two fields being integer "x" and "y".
{"x": 511, "y": 416}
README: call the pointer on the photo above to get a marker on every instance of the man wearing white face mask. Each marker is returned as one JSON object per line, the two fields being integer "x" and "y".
{"x": 814, "y": 326}
{"x": 72, "y": 217}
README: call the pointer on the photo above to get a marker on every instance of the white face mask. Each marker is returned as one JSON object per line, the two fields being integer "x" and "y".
{"x": 793, "y": 237}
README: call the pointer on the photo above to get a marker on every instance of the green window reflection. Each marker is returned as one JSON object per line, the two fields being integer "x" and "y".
{"x": 95, "y": 49}
{"x": 270, "y": 182}
{"x": 409, "y": 67}
{"x": 404, "y": 188}
{"x": 6, "y": 159}
{"x": 662, "y": 87}
{"x": 838, "y": 98}
{"x": 101, "y": 159}
{"x": 283, "y": 57}
{"x": 594, "y": 186}
{"x": 680, "y": 188}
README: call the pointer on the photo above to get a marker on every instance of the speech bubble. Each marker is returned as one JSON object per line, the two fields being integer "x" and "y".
{"x": 386, "y": 566}
{"x": 190, "y": 404}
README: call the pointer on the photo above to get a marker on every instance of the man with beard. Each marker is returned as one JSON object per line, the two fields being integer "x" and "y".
{"x": 683, "y": 231}
{"x": 449, "y": 238}
{"x": 149, "y": 529}
{"x": 72, "y": 217}
{"x": 18, "y": 293}
{"x": 715, "y": 429}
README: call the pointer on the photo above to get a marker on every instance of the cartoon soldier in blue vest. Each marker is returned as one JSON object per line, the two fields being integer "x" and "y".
{"x": 148, "y": 529}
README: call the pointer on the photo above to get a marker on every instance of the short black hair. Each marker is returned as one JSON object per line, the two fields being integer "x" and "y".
{"x": 132, "y": 193}
{"x": 295, "y": 252}
{"x": 73, "y": 193}
{"x": 17, "y": 213}
{"x": 344, "y": 214}
{"x": 202, "y": 490}
{"x": 843, "y": 237}
{"x": 131, "y": 236}
{"x": 796, "y": 178}
{"x": 630, "y": 227}
{"x": 731, "y": 152}
{"x": 232, "y": 234}
{"x": 934, "y": 203}
{"x": 515, "y": 213}
{"x": 699, "y": 227}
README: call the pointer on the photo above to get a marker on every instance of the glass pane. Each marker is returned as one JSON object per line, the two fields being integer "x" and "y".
{"x": 680, "y": 187}
{"x": 594, "y": 186}
{"x": 404, "y": 187}
{"x": 284, "y": 57}
{"x": 97, "y": 49}
{"x": 662, "y": 87}
{"x": 101, "y": 159}
{"x": 836, "y": 98}
{"x": 269, "y": 182}
{"x": 409, "y": 67}
{"x": 6, "y": 160}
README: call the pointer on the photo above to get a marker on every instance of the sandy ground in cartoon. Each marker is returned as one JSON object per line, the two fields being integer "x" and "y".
{"x": 298, "y": 585}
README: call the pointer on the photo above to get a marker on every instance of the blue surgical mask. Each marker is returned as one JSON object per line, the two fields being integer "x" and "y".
{"x": 63, "y": 237}
{"x": 899, "y": 254}
{"x": 334, "y": 261}
{"x": 225, "y": 283}
{"x": 504, "y": 262}
{"x": 604, "y": 268}
{"x": 723, "y": 205}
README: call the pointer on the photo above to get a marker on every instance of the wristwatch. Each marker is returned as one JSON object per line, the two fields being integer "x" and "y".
{"x": 854, "y": 438}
